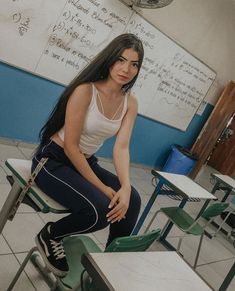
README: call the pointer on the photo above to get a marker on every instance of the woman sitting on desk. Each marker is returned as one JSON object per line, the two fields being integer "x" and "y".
{"x": 95, "y": 106}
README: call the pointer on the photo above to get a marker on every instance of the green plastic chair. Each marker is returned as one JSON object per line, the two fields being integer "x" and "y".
{"x": 74, "y": 247}
{"x": 188, "y": 224}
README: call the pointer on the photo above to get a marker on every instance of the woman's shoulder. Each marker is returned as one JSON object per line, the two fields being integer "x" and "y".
{"x": 83, "y": 92}
{"x": 132, "y": 100}
{"x": 84, "y": 88}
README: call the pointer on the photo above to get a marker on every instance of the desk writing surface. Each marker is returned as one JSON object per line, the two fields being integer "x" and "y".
{"x": 151, "y": 271}
{"x": 186, "y": 185}
{"x": 21, "y": 172}
{"x": 226, "y": 179}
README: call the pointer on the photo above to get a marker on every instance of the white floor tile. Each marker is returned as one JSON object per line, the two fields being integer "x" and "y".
{"x": 27, "y": 145}
{"x": 102, "y": 235}
{"x": 8, "y": 151}
{"x": 226, "y": 243}
{"x": 146, "y": 221}
{"x": 27, "y": 152}
{"x": 211, "y": 250}
{"x": 143, "y": 186}
{"x": 4, "y": 191}
{"x": 48, "y": 217}
{"x": 99, "y": 244}
{"x": 9, "y": 266}
{"x": 160, "y": 222}
{"x": 24, "y": 208}
{"x": 4, "y": 248}
{"x": 157, "y": 246}
{"x": 215, "y": 273}
{"x": 145, "y": 198}
{"x": 2, "y": 176}
{"x": 33, "y": 274}
{"x": 193, "y": 208}
{"x": 5, "y": 168}
{"x": 20, "y": 233}
{"x": 140, "y": 172}
{"x": 210, "y": 253}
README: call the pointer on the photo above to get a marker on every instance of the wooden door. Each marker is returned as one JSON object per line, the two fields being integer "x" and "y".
{"x": 223, "y": 156}
{"x": 214, "y": 126}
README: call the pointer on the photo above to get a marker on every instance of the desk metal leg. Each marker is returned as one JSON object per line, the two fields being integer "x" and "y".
{"x": 147, "y": 208}
{"x": 226, "y": 195}
{"x": 203, "y": 208}
{"x": 228, "y": 279}
{"x": 9, "y": 203}
{"x": 99, "y": 278}
{"x": 222, "y": 200}
{"x": 215, "y": 188}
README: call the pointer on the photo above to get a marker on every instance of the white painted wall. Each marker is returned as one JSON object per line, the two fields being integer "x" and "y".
{"x": 206, "y": 28}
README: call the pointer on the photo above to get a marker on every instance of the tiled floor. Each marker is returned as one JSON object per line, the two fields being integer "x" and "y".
{"x": 217, "y": 255}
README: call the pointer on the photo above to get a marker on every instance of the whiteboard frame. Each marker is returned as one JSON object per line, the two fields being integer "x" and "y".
{"x": 168, "y": 37}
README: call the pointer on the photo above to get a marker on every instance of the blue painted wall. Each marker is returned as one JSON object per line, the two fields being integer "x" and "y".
{"x": 26, "y": 100}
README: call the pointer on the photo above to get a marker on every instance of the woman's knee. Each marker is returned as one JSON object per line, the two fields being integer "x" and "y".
{"x": 102, "y": 211}
{"x": 94, "y": 217}
{"x": 135, "y": 199}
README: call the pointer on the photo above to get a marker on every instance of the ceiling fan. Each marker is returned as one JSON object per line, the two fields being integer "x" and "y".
{"x": 148, "y": 3}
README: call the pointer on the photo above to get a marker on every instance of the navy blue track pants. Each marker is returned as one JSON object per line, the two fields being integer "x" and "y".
{"x": 61, "y": 181}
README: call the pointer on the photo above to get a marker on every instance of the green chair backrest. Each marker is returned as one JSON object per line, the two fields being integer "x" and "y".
{"x": 134, "y": 243}
{"x": 214, "y": 209}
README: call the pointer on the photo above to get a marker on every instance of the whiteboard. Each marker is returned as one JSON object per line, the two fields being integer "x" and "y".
{"x": 55, "y": 39}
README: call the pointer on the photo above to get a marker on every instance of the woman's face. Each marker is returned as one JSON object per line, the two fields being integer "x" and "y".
{"x": 126, "y": 67}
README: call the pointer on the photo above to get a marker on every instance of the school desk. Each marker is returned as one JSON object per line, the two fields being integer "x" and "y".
{"x": 139, "y": 271}
{"x": 21, "y": 170}
{"x": 180, "y": 185}
{"x": 225, "y": 183}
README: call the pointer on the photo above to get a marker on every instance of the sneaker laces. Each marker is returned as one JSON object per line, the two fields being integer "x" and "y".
{"x": 58, "y": 249}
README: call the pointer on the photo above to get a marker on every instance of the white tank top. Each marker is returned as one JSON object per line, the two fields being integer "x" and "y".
{"x": 97, "y": 128}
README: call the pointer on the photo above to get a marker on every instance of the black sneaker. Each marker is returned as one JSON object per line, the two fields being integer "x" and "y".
{"x": 52, "y": 252}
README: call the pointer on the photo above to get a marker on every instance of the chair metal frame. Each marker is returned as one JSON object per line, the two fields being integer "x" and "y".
{"x": 231, "y": 210}
{"x": 123, "y": 244}
{"x": 187, "y": 230}
{"x": 21, "y": 189}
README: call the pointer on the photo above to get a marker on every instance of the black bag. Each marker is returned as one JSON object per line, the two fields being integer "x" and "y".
{"x": 230, "y": 220}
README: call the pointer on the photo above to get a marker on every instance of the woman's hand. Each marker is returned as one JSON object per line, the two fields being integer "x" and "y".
{"x": 109, "y": 192}
{"x": 119, "y": 205}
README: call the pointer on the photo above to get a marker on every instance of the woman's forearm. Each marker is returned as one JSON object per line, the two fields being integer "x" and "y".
{"x": 121, "y": 160}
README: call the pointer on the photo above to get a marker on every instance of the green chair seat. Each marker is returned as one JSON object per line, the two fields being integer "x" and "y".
{"x": 188, "y": 224}
{"x": 134, "y": 243}
{"x": 77, "y": 245}
{"x": 74, "y": 248}
{"x": 183, "y": 220}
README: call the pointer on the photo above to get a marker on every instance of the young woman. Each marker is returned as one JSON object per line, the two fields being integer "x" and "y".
{"x": 95, "y": 106}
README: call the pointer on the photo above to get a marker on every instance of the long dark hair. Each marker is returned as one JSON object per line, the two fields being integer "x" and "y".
{"x": 97, "y": 70}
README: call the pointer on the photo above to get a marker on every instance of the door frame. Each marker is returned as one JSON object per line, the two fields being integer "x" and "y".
{"x": 214, "y": 126}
